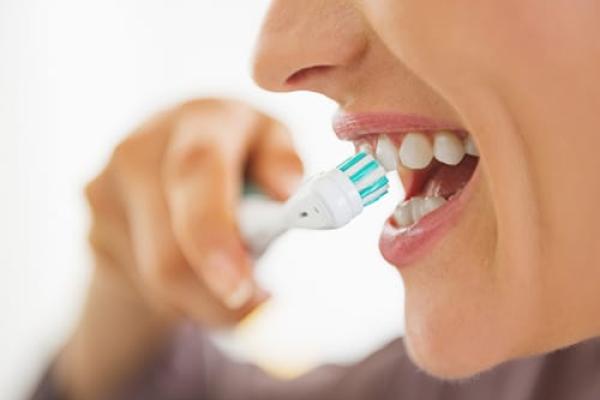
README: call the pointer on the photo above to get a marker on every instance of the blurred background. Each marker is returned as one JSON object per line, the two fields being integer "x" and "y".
{"x": 75, "y": 77}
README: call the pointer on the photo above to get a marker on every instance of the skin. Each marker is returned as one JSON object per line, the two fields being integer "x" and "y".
{"x": 516, "y": 276}
{"x": 164, "y": 236}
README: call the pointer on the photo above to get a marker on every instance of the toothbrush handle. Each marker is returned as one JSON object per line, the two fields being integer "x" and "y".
{"x": 261, "y": 221}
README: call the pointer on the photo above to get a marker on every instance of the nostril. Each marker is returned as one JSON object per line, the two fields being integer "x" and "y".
{"x": 305, "y": 73}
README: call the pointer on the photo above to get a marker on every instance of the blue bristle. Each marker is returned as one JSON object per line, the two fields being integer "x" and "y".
{"x": 352, "y": 161}
{"x": 364, "y": 171}
{"x": 368, "y": 203}
{"x": 378, "y": 184}
{"x": 363, "y": 174}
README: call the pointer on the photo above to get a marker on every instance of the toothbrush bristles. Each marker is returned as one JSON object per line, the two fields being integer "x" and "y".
{"x": 367, "y": 175}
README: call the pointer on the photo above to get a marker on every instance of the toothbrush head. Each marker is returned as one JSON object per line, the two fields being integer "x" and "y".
{"x": 334, "y": 198}
{"x": 367, "y": 175}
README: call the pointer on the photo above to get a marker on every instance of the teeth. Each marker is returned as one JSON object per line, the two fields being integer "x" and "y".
{"x": 366, "y": 147}
{"x": 415, "y": 151}
{"x": 417, "y": 208}
{"x": 403, "y": 214}
{"x": 411, "y": 211}
{"x": 386, "y": 153}
{"x": 433, "y": 203}
{"x": 448, "y": 148}
{"x": 470, "y": 147}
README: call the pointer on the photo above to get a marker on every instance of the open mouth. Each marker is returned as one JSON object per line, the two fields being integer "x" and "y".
{"x": 434, "y": 168}
{"x": 435, "y": 163}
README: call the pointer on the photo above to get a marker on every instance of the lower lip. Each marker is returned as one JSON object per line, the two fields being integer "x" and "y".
{"x": 401, "y": 247}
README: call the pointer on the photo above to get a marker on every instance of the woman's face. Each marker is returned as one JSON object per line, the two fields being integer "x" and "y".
{"x": 509, "y": 265}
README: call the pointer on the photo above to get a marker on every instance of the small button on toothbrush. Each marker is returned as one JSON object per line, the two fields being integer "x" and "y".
{"x": 328, "y": 200}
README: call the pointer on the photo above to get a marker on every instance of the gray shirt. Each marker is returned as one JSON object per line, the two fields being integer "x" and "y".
{"x": 192, "y": 368}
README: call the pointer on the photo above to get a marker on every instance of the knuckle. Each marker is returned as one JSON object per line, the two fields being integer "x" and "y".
{"x": 122, "y": 150}
{"x": 229, "y": 116}
{"x": 97, "y": 190}
{"x": 211, "y": 104}
{"x": 144, "y": 147}
{"x": 92, "y": 192}
{"x": 101, "y": 246}
{"x": 94, "y": 238}
{"x": 202, "y": 104}
{"x": 205, "y": 156}
{"x": 103, "y": 198}
{"x": 127, "y": 153}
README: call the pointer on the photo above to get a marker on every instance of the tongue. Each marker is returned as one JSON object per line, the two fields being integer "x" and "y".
{"x": 446, "y": 180}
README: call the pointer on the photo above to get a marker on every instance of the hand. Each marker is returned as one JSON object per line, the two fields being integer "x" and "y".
{"x": 164, "y": 209}
{"x": 164, "y": 236}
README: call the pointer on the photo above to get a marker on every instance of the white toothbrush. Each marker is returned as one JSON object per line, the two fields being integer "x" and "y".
{"x": 329, "y": 200}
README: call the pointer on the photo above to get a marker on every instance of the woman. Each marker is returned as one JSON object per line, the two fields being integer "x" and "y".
{"x": 506, "y": 268}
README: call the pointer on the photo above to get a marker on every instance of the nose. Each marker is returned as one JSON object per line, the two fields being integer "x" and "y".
{"x": 304, "y": 43}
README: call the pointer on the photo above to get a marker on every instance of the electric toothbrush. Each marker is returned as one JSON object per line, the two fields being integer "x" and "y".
{"x": 328, "y": 200}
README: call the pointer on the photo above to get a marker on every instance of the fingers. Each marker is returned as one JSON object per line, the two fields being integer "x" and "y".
{"x": 203, "y": 175}
{"x": 163, "y": 267}
{"x": 108, "y": 234}
{"x": 182, "y": 194}
{"x": 274, "y": 165}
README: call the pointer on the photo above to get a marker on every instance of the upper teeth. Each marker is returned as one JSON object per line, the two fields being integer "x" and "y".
{"x": 448, "y": 148}
{"x": 470, "y": 147}
{"x": 366, "y": 147}
{"x": 386, "y": 153}
{"x": 418, "y": 149}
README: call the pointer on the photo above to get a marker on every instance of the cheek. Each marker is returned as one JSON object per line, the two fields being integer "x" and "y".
{"x": 419, "y": 32}
{"x": 459, "y": 42}
{"x": 457, "y": 307}
{"x": 518, "y": 73}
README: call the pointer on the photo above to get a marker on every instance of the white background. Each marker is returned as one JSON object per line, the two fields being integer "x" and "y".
{"x": 75, "y": 76}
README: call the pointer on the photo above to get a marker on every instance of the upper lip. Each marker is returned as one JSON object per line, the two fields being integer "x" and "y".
{"x": 351, "y": 126}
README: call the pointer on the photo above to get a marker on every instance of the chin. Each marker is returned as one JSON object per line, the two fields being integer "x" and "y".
{"x": 451, "y": 343}
{"x": 441, "y": 358}
{"x": 447, "y": 366}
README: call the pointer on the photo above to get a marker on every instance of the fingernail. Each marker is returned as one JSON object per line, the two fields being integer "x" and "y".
{"x": 240, "y": 296}
{"x": 226, "y": 281}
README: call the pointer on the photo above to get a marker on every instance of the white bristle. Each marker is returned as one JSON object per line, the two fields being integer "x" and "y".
{"x": 375, "y": 195}
{"x": 355, "y": 168}
{"x": 368, "y": 179}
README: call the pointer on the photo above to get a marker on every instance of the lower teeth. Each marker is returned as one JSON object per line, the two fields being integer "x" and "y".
{"x": 412, "y": 210}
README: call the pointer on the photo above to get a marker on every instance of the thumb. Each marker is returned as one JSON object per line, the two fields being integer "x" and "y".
{"x": 274, "y": 164}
